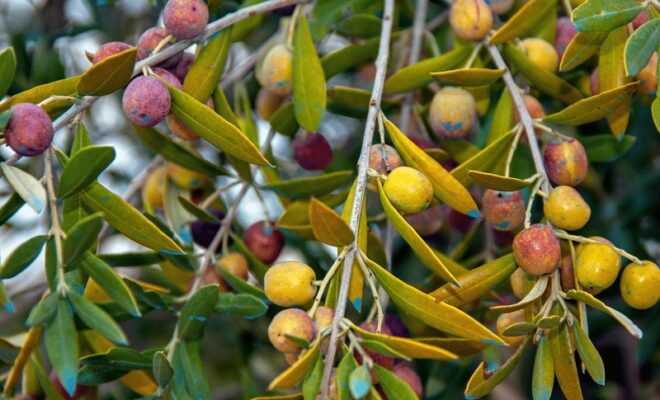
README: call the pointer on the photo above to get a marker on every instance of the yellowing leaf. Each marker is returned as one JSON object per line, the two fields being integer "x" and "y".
{"x": 593, "y": 108}
{"x": 295, "y": 373}
{"x": 355, "y": 290}
{"x": 581, "y": 48}
{"x": 563, "y": 361}
{"x": 408, "y": 347}
{"x": 309, "y": 186}
{"x": 417, "y": 75}
{"x": 204, "y": 73}
{"x": 491, "y": 159}
{"x": 589, "y": 355}
{"x": 476, "y": 282}
{"x": 446, "y": 188}
{"x": 535, "y": 293}
{"x": 430, "y": 311}
{"x": 498, "y": 182}
{"x": 543, "y": 376}
{"x": 502, "y": 121}
{"x": 213, "y": 128}
{"x": 327, "y": 225}
{"x": 461, "y": 347}
{"x": 524, "y": 20}
{"x": 468, "y": 76}
{"x": 109, "y": 75}
{"x": 308, "y": 79}
{"x": 544, "y": 80}
{"x": 593, "y": 302}
{"x": 416, "y": 243}
{"x": 37, "y": 94}
{"x": 612, "y": 74}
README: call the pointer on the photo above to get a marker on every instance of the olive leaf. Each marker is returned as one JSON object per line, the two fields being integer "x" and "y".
{"x": 543, "y": 375}
{"x": 83, "y": 168}
{"x": 591, "y": 301}
{"x": 529, "y": 16}
{"x": 195, "y": 313}
{"x": 312, "y": 383}
{"x": 491, "y": 158}
{"x": 328, "y": 226}
{"x": 605, "y": 15}
{"x": 309, "y": 186}
{"x": 393, "y": 386}
{"x": 109, "y": 75}
{"x": 605, "y": 148}
{"x": 61, "y": 341}
{"x": 589, "y": 355}
{"x": 563, "y": 361}
{"x": 502, "y": 120}
{"x": 536, "y": 292}
{"x": 499, "y": 182}
{"x": 612, "y": 74}
{"x": 410, "y": 348}
{"x": 296, "y": 372}
{"x": 22, "y": 256}
{"x": 355, "y": 289}
{"x": 360, "y": 25}
{"x": 37, "y": 94}
{"x": 348, "y": 57}
{"x": 7, "y": 69}
{"x": 468, "y": 76}
{"x": 94, "y": 317}
{"x": 204, "y": 73}
{"x": 581, "y": 48}
{"x": 641, "y": 45}
{"x": 27, "y": 186}
{"x": 359, "y": 382}
{"x": 308, "y": 79}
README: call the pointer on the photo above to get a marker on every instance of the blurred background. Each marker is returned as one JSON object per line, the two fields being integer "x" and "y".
{"x": 50, "y": 38}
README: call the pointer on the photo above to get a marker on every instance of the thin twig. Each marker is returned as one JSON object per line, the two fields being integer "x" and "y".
{"x": 363, "y": 165}
{"x": 415, "y": 46}
{"x": 56, "y": 228}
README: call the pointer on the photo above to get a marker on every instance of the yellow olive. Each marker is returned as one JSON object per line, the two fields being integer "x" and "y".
{"x": 640, "y": 285}
{"x": 409, "y": 190}
{"x": 597, "y": 265}
{"x": 566, "y": 209}
{"x": 290, "y": 284}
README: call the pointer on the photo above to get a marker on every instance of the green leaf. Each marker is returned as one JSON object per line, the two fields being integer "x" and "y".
{"x": 109, "y": 75}
{"x": 295, "y": 373}
{"x": 81, "y": 237}
{"x": 61, "y": 341}
{"x": 94, "y": 317}
{"x": 477, "y": 282}
{"x": 344, "y": 370}
{"x": 352, "y": 102}
{"x": 612, "y": 74}
{"x": 328, "y": 226}
{"x": 417, "y": 75}
{"x": 359, "y": 382}
{"x": 445, "y": 186}
{"x": 360, "y": 25}
{"x": 189, "y": 370}
{"x": 44, "y": 380}
{"x": 499, "y": 182}
{"x": 312, "y": 383}
{"x": 196, "y": 312}
{"x": 502, "y": 120}
{"x": 110, "y": 282}
{"x": 392, "y": 385}
{"x": 119, "y": 357}
{"x": 199, "y": 213}
{"x": 641, "y": 45}
{"x": 593, "y": 108}
{"x": 177, "y": 217}
{"x": 382, "y": 348}
{"x": 479, "y": 385}
{"x": 528, "y": 17}
{"x": 605, "y": 15}
{"x": 37, "y": 94}
{"x": 175, "y": 152}
{"x": 544, "y": 80}
{"x": 242, "y": 305}
{"x": 10, "y": 207}
{"x": 409, "y": 348}
{"x": 563, "y": 361}
{"x": 22, "y": 256}
{"x": 421, "y": 249}
{"x": 427, "y": 309}
{"x": 519, "y": 329}
{"x": 308, "y": 79}
{"x": 593, "y": 302}
{"x": 7, "y": 69}
{"x": 126, "y": 219}
{"x": 350, "y": 56}
{"x": 309, "y": 186}
{"x": 27, "y": 186}
{"x": 468, "y": 76}
{"x": 83, "y": 168}
{"x": 606, "y": 148}
{"x": 43, "y": 311}
{"x": 543, "y": 376}
{"x": 213, "y": 128}
{"x": 581, "y": 48}
{"x": 284, "y": 121}
{"x": 205, "y": 71}
{"x": 491, "y": 159}
{"x": 655, "y": 108}
{"x": 162, "y": 369}
{"x": 589, "y": 355}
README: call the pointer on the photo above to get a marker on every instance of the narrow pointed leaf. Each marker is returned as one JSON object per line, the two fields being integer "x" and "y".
{"x": 535, "y": 293}
{"x": 213, "y": 128}
{"x": 309, "y": 186}
{"x": 196, "y": 312}
{"x": 563, "y": 361}
{"x": 519, "y": 329}
{"x": 416, "y": 243}
{"x": 22, "y": 257}
{"x": 308, "y": 79}
{"x": 312, "y": 383}
{"x": 43, "y": 311}
{"x": 641, "y": 45}
{"x": 296, "y": 372}
{"x": 81, "y": 237}
{"x": 242, "y": 305}
{"x": 606, "y": 148}
{"x": 581, "y": 48}
{"x": 499, "y": 182}
{"x": 392, "y": 385}
{"x": 356, "y": 287}
{"x": 432, "y": 312}
{"x": 27, "y": 186}
{"x": 490, "y": 159}
{"x": 359, "y": 382}
{"x": 83, "y": 168}
{"x": 10, "y": 207}
{"x": 593, "y": 302}
{"x": 589, "y": 355}
{"x": 44, "y": 381}
{"x": 204, "y": 73}
{"x": 411, "y": 348}
{"x": 109, "y": 75}
{"x": 543, "y": 376}
{"x": 94, "y": 317}
{"x": 417, "y": 75}
{"x": 446, "y": 187}
{"x": 37, "y": 94}
{"x": 528, "y": 17}
{"x": 612, "y": 74}
{"x": 328, "y": 226}
{"x": 477, "y": 282}
{"x": 468, "y": 76}
{"x": 7, "y": 69}
{"x": 344, "y": 370}
{"x": 605, "y": 15}
{"x": 61, "y": 341}
{"x": 502, "y": 121}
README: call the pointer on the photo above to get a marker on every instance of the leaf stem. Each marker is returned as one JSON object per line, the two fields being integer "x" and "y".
{"x": 56, "y": 228}
{"x": 512, "y": 150}
{"x": 363, "y": 165}
{"x": 324, "y": 283}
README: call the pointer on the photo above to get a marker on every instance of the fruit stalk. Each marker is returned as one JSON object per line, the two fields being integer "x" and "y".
{"x": 361, "y": 186}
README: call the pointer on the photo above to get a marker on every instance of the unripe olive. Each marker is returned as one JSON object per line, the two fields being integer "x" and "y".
{"x": 109, "y": 49}
{"x": 146, "y": 101}
{"x": 312, "y": 151}
{"x": 470, "y": 19}
{"x": 383, "y": 158}
{"x": 185, "y": 19}
{"x": 566, "y": 209}
{"x": 640, "y": 285}
{"x": 29, "y": 131}
{"x": 536, "y": 250}
{"x": 597, "y": 265}
{"x": 154, "y": 188}
{"x": 267, "y": 103}
{"x": 566, "y": 162}
{"x": 506, "y": 320}
{"x": 541, "y": 53}
{"x": 504, "y": 210}
{"x": 276, "y": 73}
{"x": 185, "y": 178}
{"x": 565, "y": 33}
{"x": 521, "y": 283}
{"x": 408, "y": 190}
{"x": 148, "y": 42}
{"x": 290, "y": 284}
{"x": 293, "y": 322}
{"x": 235, "y": 263}
{"x": 264, "y": 240}
{"x": 427, "y": 222}
{"x": 405, "y": 371}
{"x": 452, "y": 112}
{"x": 323, "y": 319}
